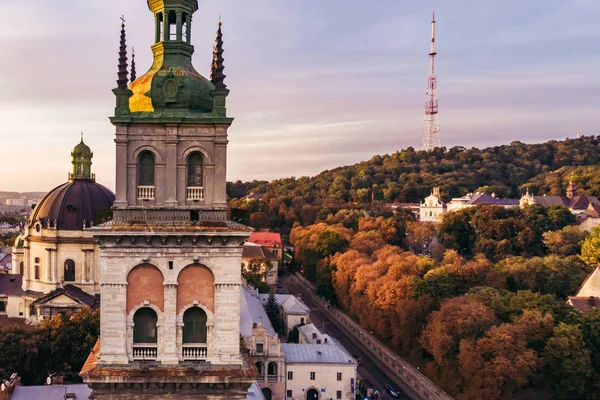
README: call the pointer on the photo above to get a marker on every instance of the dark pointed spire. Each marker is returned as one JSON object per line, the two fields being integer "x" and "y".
{"x": 217, "y": 77}
{"x": 133, "y": 74}
{"x": 122, "y": 74}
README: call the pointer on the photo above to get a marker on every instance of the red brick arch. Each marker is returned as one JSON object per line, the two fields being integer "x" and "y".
{"x": 145, "y": 282}
{"x": 196, "y": 282}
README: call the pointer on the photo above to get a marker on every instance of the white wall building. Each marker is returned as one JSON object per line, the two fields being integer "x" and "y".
{"x": 318, "y": 371}
{"x": 432, "y": 208}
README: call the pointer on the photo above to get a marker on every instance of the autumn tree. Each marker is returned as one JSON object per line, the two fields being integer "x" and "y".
{"x": 590, "y": 249}
{"x": 565, "y": 242}
{"x": 419, "y": 235}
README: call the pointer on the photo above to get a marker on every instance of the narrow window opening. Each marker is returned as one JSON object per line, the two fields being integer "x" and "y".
{"x": 170, "y": 264}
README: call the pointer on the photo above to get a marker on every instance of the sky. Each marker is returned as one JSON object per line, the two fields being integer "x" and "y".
{"x": 315, "y": 84}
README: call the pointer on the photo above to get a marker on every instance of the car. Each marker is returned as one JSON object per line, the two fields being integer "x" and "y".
{"x": 392, "y": 390}
{"x": 357, "y": 358}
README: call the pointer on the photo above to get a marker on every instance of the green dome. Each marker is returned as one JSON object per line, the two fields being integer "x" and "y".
{"x": 82, "y": 149}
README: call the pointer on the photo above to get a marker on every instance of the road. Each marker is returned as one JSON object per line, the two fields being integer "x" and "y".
{"x": 368, "y": 369}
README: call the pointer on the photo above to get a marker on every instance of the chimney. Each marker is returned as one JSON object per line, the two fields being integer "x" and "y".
{"x": 299, "y": 297}
{"x": 592, "y": 301}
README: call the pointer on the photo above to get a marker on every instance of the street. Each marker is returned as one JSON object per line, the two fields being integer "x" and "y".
{"x": 368, "y": 369}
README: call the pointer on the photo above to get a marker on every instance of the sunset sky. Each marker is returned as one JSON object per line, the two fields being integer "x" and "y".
{"x": 315, "y": 84}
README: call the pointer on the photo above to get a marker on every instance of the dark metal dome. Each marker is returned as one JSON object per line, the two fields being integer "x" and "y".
{"x": 67, "y": 206}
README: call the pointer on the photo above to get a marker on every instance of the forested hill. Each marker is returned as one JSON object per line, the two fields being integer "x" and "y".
{"x": 409, "y": 175}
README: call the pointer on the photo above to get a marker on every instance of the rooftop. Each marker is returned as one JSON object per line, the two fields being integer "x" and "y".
{"x": 252, "y": 251}
{"x": 290, "y": 303}
{"x": 315, "y": 354}
{"x": 269, "y": 239}
{"x": 252, "y": 312}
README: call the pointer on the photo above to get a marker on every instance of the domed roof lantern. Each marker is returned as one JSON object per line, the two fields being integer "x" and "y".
{"x": 172, "y": 87}
{"x": 81, "y": 159}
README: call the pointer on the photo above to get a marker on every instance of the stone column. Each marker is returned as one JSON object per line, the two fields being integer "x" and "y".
{"x": 121, "y": 167}
{"x": 169, "y": 353}
{"x": 84, "y": 266}
{"x": 171, "y": 165}
{"x": 114, "y": 323}
{"x": 227, "y": 323}
{"x": 181, "y": 184}
{"x": 54, "y": 256}
{"x": 179, "y": 26}
{"x": 49, "y": 267}
{"x": 189, "y": 29}
{"x": 26, "y": 268}
{"x": 220, "y": 197}
{"x": 157, "y": 29}
{"x": 166, "y": 27}
{"x": 132, "y": 184}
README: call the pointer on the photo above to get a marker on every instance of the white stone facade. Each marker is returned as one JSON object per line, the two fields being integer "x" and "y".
{"x": 432, "y": 208}
{"x": 325, "y": 381}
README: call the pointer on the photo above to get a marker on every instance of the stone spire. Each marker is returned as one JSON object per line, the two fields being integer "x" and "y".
{"x": 122, "y": 74}
{"x": 122, "y": 92}
{"x": 217, "y": 77}
{"x": 133, "y": 74}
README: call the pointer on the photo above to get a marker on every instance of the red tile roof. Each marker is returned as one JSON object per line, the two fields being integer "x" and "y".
{"x": 251, "y": 252}
{"x": 585, "y": 304}
{"x": 268, "y": 239}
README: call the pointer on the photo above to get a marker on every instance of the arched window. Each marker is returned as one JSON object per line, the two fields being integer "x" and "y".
{"x": 194, "y": 166}
{"x": 272, "y": 368}
{"x": 69, "y": 271}
{"x": 259, "y": 367}
{"x": 2, "y": 307}
{"x": 144, "y": 326}
{"x": 194, "y": 325}
{"x": 146, "y": 169}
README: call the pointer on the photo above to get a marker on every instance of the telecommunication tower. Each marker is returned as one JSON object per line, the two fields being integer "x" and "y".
{"x": 431, "y": 128}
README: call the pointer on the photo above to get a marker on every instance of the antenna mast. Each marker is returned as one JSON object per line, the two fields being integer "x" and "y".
{"x": 431, "y": 128}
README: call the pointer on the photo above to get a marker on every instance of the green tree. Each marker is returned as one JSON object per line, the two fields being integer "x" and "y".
{"x": 272, "y": 310}
{"x": 590, "y": 249}
{"x": 255, "y": 273}
{"x": 567, "y": 361}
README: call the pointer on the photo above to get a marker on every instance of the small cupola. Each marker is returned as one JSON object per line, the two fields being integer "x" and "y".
{"x": 81, "y": 158}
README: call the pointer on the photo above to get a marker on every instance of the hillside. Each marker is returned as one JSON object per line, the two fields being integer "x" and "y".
{"x": 408, "y": 176}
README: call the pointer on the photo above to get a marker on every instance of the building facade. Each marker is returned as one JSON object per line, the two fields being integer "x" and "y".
{"x": 432, "y": 208}
{"x": 318, "y": 371}
{"x": 169, "y": 258}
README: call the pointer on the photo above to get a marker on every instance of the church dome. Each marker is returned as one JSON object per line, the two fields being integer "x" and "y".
{"x": 67, "y": 206}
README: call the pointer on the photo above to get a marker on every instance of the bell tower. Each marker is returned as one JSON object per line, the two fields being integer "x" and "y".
{"x": 169, "y": 258}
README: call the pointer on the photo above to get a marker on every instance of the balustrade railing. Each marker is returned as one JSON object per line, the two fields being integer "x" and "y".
{"x": 260, "y": 378}
{"x": 195, "y": 193}
{"x": 145, "y": 351}
{"x": 145, "y": 192}
{"x": 195, "y": 352}
{"x": 272, "y": 378}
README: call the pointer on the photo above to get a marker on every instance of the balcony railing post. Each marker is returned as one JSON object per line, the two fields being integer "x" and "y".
{"x": 146, "y": 192}
{"x": 195, "y": 193}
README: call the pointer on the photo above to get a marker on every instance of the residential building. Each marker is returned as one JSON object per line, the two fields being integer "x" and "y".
{"x": 254, "y": 196}
{"x": 169, "y": 258}
{"x": 585, "y": 208}
{"x": 293, "y": 310}
{"x": 254, "y": 251}
{"x": 7, "y": 229}
{"x": 432, "y": 208}
{"x": 5, "y": 263}
{"x": 318, "y": 371}
{"x": 270, "y": 240}
{"x": 587, "y": 297}
{"x": 264, "y": 345}
{"x": 476, "y": 199}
